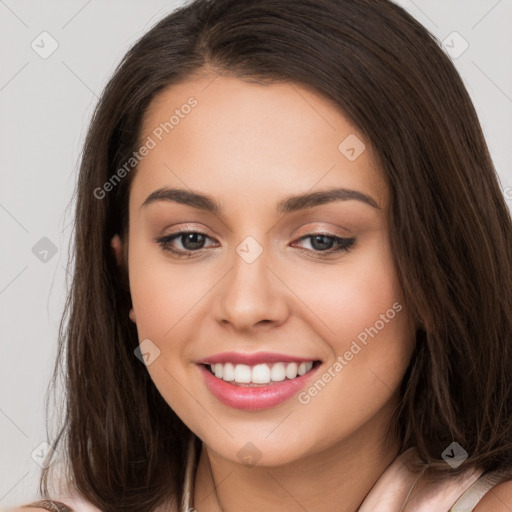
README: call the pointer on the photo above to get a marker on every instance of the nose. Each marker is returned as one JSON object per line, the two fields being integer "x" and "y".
{"x": 252, "y": 295}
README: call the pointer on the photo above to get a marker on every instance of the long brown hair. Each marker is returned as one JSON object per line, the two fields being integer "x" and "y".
{"x": 451, "y": 234}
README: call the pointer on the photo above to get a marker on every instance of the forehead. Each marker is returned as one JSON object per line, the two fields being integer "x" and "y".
{"x": 234, "y": 139}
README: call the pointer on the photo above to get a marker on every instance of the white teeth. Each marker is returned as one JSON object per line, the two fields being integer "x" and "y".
{"x": 228, "y": 372}
{"x": 242, "y": 373}
{"x": 260, "y": 373}
{"x": 218, "y": 370}
{"x": 277, "y": 373}
{"x": 291, "y": 370}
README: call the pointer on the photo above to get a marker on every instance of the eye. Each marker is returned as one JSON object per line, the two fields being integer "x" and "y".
{"x": 193, "y": 242}
{"x": 324, "y": 242}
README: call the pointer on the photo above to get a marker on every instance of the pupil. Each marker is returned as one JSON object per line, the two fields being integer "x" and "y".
{"x": 322, "y": 244}
{"x": 189, "y": 237}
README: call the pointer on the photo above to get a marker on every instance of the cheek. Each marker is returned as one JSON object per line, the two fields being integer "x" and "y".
{"x": 363, "y": 319}
{"x": 163, "y": 295}
{"x": 371, "y": 344}
{"x": 375, "y": 319}
{"x": 351, "y": 295}
{"x": 163, "y": 292}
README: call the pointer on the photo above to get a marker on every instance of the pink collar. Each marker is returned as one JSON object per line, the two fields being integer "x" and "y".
{"x": 390, "y": 492}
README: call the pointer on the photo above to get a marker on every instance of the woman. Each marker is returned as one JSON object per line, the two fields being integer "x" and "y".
{"x": 293, "y": 282}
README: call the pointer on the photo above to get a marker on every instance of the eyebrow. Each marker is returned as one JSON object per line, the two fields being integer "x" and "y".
{"x": 288, "y": 205}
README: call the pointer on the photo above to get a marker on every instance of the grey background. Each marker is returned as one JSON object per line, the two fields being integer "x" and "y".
{"x": 45, "y": 107}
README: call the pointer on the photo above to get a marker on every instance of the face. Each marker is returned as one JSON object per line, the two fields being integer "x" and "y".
{"x": 292, "y": 281}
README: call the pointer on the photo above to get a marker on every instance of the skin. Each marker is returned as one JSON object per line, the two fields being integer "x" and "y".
{"x": 249, "y": 146}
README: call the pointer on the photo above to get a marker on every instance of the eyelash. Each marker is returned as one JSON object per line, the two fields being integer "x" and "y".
{"x": 346, "y": 244}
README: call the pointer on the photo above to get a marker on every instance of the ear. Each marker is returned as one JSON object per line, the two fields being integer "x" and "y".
{"x": 117, "y": 247}
{"x": 120, "y": 250}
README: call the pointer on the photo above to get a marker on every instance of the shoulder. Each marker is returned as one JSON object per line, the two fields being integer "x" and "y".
{"x": 25, "y": 508}
{"x": 76, "y": 504}
{"x": 45, "y": 505}
{"x": 29, "y": 508}
{"x": 496, "y": 499}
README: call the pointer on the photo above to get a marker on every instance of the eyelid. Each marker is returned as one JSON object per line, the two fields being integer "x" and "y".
{"x": 322, "y": 230}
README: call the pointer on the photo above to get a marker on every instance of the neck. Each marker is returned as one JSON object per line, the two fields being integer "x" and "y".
{"x": 333, "y": 480}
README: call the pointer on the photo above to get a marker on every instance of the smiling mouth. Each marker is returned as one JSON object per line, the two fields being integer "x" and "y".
{"x": 260, "y": 375}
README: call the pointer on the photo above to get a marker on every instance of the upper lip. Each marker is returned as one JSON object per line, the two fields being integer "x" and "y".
{"x": 253, "y": 359}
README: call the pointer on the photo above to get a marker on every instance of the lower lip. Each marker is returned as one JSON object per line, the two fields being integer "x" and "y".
{"x": 254, "y": 398}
